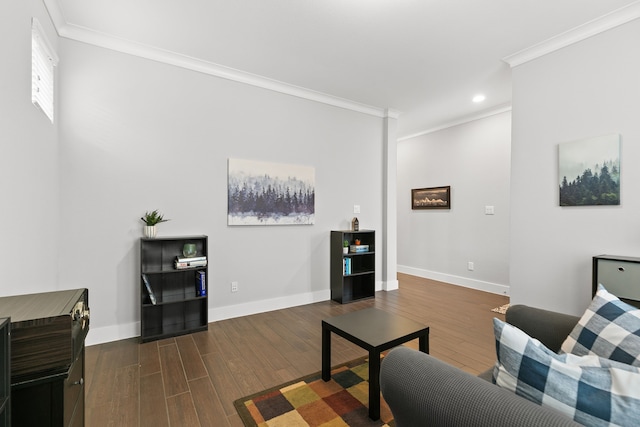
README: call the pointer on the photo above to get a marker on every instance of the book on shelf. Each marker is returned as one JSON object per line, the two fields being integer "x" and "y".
{"x": 191, "y": 264}
{"x": 152, "y": 296}
{"x": 359, "y": 248}
{"x": 190, "y": 259}
{"x": 346, "y": 264}
{"x": 201, "y": 283}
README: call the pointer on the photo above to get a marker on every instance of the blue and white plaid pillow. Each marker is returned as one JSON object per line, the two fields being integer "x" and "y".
{"x": 593, "y": 391}
{"x": 608, "y": 328}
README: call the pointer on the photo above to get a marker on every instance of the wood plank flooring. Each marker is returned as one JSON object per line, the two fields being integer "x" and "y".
{"x": 193, "y": 380}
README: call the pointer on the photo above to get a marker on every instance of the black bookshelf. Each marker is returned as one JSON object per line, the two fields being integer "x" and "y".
{"x": 174, "y": 305}
{"x": 353, "y": 274}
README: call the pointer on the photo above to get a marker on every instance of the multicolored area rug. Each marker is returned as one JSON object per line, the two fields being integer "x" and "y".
{"x": 309, "y": 401}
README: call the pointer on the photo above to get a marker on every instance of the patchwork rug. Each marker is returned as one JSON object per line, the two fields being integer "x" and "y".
{"x": 309, "y": 401}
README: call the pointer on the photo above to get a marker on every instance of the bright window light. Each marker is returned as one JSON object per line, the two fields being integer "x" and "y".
{"x": 43, "y": 62}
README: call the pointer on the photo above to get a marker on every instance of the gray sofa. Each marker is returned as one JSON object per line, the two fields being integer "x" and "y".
{"x": 424, "y": 391}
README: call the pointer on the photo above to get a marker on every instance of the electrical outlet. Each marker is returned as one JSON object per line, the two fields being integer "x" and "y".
{"x": 470, "y": 266}
{"x": 234, "y": 286}
{"x": 356, "y": 208}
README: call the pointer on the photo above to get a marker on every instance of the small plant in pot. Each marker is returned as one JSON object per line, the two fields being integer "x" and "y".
{"x": 345, "y": 247}
{"x": 151, "y": 219}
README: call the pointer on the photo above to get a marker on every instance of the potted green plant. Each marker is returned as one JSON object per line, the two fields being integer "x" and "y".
{"x": 151, "y": 219}
{"x": 345, "y": 247}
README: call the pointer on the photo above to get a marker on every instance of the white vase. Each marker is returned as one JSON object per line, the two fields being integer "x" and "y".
{"x": 150, "y": 231}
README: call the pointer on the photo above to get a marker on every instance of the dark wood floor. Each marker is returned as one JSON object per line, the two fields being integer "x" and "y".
{"x": 193, "y": 380}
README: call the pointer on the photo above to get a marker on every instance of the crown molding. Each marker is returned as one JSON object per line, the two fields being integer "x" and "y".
{"x": 95, "y": 38}
{"x": 392, "y": 114}
{"x": 55, "y": 13}
{"x": 460, "y": 121}
{"x": 606, "y": 22}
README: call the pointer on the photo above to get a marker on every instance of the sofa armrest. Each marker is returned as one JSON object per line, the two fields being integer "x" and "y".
{"x": 422, "y": 390}
{"x": 549, "y": 327}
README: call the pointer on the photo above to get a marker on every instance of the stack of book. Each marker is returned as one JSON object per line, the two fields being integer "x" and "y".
{"x": 190, "y": 262}
{"x": 359, "y": 248}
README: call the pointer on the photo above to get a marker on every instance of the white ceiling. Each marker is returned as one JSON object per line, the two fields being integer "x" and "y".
{"x": 423, "y": 58}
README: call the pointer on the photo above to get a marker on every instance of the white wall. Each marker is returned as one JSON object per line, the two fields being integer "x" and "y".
{"x": 29, "y": 217}
{"x": 588, "y": 89}
{"x": 139, "y": 135}
{"x": 474, "y": 159}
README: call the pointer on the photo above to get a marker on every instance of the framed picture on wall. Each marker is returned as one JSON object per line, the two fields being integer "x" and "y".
{"x": 267, "y": 193}
{"x": 431, "y": 198}
{"x": 589, "y": 171}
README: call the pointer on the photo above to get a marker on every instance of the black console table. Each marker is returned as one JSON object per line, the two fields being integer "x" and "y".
{"x": 48, "y": 331}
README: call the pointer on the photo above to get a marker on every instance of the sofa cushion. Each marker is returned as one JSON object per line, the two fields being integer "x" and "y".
{"x": 593, "y": 391}
{"x": 608, "y": 328}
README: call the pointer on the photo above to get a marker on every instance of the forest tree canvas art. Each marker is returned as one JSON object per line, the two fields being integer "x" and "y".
{"x": 589, "y": 171}
{"x": 265, "y": 193}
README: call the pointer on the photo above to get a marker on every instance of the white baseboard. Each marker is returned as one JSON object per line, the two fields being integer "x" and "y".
{"x": 112, "y": 333}
{"x": 130, "y": 330}
{"x": 480, "y": 285}
{"x": 254, "y": 307}
{"x": 390, "y": 285}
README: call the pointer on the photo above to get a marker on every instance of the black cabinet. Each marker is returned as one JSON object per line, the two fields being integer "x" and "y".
{"x": 5, "y": 373}
{"x": 52, "y": 401}
{"x": 353, "y": 272}
{"x": 47, "y": 337}
{"x": 620, "y": 275}
{"x": 173, "y": 297}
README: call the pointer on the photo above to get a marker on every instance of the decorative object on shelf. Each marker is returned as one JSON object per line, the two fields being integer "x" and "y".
{"x": 431, "y": 198}
{"x": 355, "y": 224}
{"x": 264, "y": 193}
{"x": 151, "y": 219}
{"x": 589, "y": 171}
{"x": 189, "y": 250}
{"x": 345, "y": 247}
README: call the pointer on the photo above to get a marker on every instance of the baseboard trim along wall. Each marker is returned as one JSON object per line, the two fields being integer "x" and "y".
{"x": 131, "y": 330}
{"x": 479, "y": 285}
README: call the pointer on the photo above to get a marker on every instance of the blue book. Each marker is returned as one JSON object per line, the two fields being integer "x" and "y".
{"x": 201, "y": 283}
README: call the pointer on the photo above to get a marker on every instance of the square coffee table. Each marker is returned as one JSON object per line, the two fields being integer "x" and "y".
{"x": 376, "y": 331}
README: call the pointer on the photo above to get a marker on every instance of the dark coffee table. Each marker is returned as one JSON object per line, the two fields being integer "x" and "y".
{"x": 376, "y": 331}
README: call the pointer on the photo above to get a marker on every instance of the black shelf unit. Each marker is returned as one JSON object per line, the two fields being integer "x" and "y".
{"x": 361, "y": 282}
{"x": 178, "y": 309}
{"x": 5, "y": 372}
{"x": 620, "y": 275}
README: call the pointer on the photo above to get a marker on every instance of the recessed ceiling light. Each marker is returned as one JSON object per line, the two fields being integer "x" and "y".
{"x": 478, "y": 98}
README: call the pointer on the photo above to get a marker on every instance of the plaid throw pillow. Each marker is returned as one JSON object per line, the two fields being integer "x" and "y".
{"x": 608, "y": 328}
{"x": 593, "y": 391}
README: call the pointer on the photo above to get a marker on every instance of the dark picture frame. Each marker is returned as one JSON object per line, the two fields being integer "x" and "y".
{"x": 431, "y": 198}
